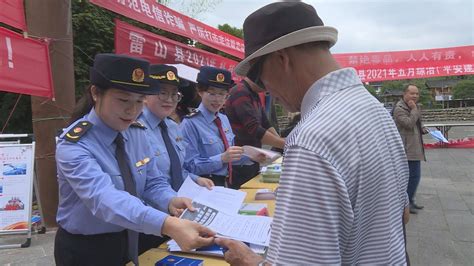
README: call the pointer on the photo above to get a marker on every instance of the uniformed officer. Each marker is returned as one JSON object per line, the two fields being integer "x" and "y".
{"x": 109, "y": 184}
{"x": 163, "y": 133}
{"x": 210, "y": 149}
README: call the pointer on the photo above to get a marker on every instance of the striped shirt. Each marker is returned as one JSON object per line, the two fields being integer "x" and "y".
{"x": 343, "y": 186}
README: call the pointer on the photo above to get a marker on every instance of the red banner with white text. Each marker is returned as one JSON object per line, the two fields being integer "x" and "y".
{"x": 160, "y": 16}
{"x": 12, "y": 13}
{"x": 453, "y": 61}
{"x": 24, "y": 65}
{"x": 157, "y": 49}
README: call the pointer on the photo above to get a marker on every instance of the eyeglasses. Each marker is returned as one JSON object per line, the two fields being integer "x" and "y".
{"x": 175, "y": 97}
{"x": 218, "y": 96}
{"x": 255, "y": 71}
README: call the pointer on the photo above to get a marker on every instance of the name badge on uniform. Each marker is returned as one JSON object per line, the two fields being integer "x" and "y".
{"x": 142, "y": 162}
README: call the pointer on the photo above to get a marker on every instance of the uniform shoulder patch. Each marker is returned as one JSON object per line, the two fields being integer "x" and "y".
{"x": 193, "y": 113}
{"x": 138, "y": 124}
{"x": 77, "y": 131}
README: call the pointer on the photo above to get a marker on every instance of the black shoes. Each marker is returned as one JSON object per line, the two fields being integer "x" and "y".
{"x": 418, "y": 207}
{"x": 414, "y": 208}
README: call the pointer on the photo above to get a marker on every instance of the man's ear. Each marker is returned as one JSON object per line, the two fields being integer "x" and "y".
{"x": 283, "y": 60}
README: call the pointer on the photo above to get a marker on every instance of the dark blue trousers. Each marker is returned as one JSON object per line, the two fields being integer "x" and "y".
{"x": 414, "y": 179}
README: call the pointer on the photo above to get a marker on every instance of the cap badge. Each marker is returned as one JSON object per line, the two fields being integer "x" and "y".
{"x": 138, "y": 75}
{"x": 170, "y": 75}
{"x": 220, "y": 77}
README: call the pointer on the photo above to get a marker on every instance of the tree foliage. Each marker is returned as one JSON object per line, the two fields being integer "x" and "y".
{"x": 239, "y": 33}
{"x": 464, "y": 90}
{"x": 20, "y": 121}
{"x": 371, "y": 90}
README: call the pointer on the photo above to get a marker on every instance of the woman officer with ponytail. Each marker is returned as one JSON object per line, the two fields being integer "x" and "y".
{"x": 110, "y": 189}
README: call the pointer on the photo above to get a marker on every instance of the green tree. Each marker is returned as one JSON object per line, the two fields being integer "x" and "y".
{"x": 464, "y": 90}
{"x": 232, "y": 30}
{"x": 20, "y": 120}
{"x": 371, "y": 90}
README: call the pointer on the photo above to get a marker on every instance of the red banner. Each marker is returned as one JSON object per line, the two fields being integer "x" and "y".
{"x": 454, "y": 61}
{"x": 157, "y": 15}
{"x": 157, "y": 49}
{"x": 24, "y": 65}
{"x": 12, "y": 13}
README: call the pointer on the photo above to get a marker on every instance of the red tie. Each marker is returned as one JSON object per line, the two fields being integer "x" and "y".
{"x": 226, "y": 144}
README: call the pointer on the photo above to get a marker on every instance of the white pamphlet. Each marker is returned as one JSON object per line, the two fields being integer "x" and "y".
{"x": 246, "y": 228}
{"x": 254, "y": 152}
{"x": 223, "y": 199}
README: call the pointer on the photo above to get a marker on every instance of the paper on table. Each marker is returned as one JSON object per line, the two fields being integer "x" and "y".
{"x": 250, "y": 229}
{"x": 220, "y": 198}
{"x": 254, "y": 152}
{"x": 437, "y": 135}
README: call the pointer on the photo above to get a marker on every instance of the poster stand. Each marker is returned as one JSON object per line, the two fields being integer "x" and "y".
{"x": 16, "y": 187}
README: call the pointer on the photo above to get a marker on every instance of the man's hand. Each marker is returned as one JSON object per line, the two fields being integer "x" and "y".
{"x": 238, "y": 253}
{"x": 412, "y": 105}
{"x": 178, "y": 205}
{"x": 189, "y": 235}
{"x": 425, "y": 130}
{"x": 233, "y": 153}
{"x": 205, "y": 182}
{"x": 406, "y": 215}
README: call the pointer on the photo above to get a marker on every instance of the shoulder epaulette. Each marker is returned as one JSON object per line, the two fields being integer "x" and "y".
{"x": 77, "y": 131}
{"x": 138, "y": 124}
{"x": 193, "y": 113}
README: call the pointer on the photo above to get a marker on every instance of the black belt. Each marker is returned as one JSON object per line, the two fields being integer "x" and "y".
{"x": 94, "y": 236}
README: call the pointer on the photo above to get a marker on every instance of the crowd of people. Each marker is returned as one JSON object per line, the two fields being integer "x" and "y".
{"x": 342, "y": 197}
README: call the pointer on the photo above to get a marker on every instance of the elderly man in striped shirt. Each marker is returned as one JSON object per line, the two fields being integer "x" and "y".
{"x": 342, "y": 192}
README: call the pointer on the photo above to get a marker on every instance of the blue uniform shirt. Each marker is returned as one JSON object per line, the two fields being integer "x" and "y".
{"x": 155, "y": 138}
{"x": 204, "y": 146}
{"x": 92, "y": 198}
